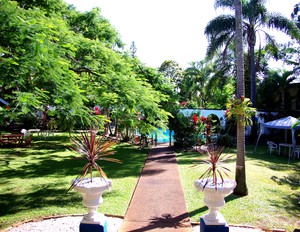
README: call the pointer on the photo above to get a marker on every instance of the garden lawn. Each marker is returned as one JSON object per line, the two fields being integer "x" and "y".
{"x": 34, "y": 180}
{"x": 273, "y": 185}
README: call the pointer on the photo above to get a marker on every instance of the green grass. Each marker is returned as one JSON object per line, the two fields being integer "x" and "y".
{"x": 34, "y": 180}
{"x": 273, "y": 186}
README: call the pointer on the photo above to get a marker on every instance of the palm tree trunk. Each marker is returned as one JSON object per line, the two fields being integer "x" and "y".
{"x": 240, "y": 173}
{"x": 253, "y": 72}
{"x": 240, "y": 170}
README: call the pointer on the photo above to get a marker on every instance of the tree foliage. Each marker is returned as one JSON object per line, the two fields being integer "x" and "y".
{"x": 274, "y": 90}
{"x": 221, "y": 31}
{"x": 72, "y": 61}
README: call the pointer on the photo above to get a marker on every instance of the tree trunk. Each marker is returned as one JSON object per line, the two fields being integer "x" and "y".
{"x": 253, "y": 76}
{"x": 116, "y": 128}
{"x": 240, "y": 173}
{"x": 251, "y": 40}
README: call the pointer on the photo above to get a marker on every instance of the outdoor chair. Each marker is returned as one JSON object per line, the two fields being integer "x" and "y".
{"x": 297, "y": 152}
{"x": 272, "y": 146}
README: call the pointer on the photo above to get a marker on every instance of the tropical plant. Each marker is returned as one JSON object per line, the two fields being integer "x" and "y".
{"x": 237, "y": 107}
{"x": 192, "y": 84}
{"x": 221, "y": 30}
{"x": 282, "y": 80}
{"x": 185, "y": 131}
{"x": 93, "y": 149}
{"x": 219, "y": 96}
{"x": 216, "y": 173}
{"x": 172, "y": 71}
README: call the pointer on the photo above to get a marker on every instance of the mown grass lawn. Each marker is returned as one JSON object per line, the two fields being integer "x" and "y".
{"x": 34, "y": 180}
{"x": 273, "y": 184}
{"x": 33, "y": 184}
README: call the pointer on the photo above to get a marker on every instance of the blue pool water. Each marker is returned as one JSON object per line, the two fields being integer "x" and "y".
{"x": 164, "y": 136}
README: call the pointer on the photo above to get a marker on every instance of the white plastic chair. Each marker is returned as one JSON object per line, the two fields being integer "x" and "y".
{"x": 297, "y": 152}
{"x": 272, "y": 146}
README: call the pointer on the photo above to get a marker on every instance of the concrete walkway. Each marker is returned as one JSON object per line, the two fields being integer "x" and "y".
{"x": 158, "y": 203}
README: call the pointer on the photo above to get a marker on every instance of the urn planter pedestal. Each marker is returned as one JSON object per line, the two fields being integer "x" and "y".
{"x": 214, "y": 200}
{"x": 92, "y": 198}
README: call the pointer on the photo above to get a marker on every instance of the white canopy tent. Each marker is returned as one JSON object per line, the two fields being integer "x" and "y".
{"x": 283, "y": 124}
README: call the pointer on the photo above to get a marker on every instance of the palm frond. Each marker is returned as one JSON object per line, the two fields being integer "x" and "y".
{"x": 221, "y": 24}
{"x": 225, "y": 4}
{"x": 279, "y": 22}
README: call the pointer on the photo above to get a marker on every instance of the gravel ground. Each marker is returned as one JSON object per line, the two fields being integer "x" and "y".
{"x": 62, "y": 224}
{"x": 71, "y": 224}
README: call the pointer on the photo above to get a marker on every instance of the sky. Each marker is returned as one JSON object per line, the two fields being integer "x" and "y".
{"x": 167, "y": 29}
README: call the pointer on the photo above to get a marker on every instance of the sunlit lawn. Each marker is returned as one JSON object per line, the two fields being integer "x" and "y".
{"x": 273, "y": 185}
{"x": 34, "y": 180}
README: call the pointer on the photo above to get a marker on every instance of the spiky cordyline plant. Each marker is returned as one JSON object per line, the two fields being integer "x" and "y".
{"x": 216, "y": 170}
{"x": 93, "y": 149}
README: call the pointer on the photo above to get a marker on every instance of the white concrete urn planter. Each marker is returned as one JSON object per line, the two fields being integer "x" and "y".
{"x": 214, "y": 199}
{"x": 92, "y": 198}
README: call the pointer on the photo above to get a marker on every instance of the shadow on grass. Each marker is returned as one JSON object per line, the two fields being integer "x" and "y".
{"x": 278, "y": 163}
{"x": 272, "y": 161}
{"x": 293, "y": 181}
{"x": 38, "y": 163}
{"x": 43, "y": 196}
{"x": 288, "y": 203}
{"x": 263, "y": 160}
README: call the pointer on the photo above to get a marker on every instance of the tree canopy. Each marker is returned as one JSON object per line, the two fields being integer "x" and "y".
{"x": 221, "y": 30}
{"x": 53, "y": 55}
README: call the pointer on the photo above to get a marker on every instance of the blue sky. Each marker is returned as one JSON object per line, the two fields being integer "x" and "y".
{"x": 167, "y": 29}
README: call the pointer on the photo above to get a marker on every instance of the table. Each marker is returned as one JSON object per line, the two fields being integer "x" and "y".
{"x": 290, "y": 146}
{"x": 12, "y": 138}
{"x": 34, "y": 130}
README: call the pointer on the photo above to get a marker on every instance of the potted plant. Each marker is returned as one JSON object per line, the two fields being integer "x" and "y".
{"x": 216, "y": 184}
{"x": 92, "y": 188}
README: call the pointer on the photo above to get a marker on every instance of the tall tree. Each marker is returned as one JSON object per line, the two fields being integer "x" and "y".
{"x": 92, "y": 25}
{"x": 219, "y": 86}
{"x": 172, "y": 71}
{"x": 191, "y": 87}
{"x": 282, "y": 80}
{"x": 43, "y": 62}
{"x": 240, "y": 172}
{"x": 33, "y": 62}
{"x": 220, "y": 31}
{"x": 48, "y": 6}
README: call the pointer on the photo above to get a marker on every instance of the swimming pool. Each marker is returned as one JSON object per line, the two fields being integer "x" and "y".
{"x": 164, "y": 136}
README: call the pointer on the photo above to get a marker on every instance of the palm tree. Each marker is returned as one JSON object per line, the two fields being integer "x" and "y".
{"x": 191, "y": 85}
{"x": 282, "y": 80}
{"x": 221, "y": 30}
{"x": 240, "y": 173}
{"x": 194, "y": 78}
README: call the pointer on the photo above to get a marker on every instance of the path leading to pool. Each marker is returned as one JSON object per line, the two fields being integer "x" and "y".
{"x": 158, "y": 203}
